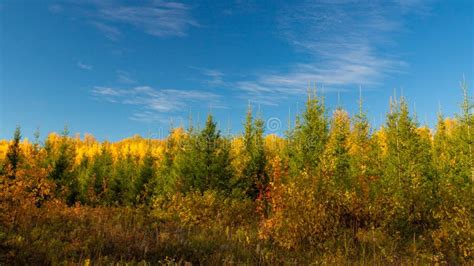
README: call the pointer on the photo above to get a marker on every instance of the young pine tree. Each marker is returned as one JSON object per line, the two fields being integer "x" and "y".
{"x": 309, "y": 138}
{"x": 215, "y": 153}
{"x": 407, "y": 173}
{"x": 14, "y": 156}
{"x": 165, "y": 178}
{"x": 101, "y": 173}
{"x": 337, "y": 158}
{"x": 363, "y": 161}
{"x": 452, "y": 155}
{"x": 188, "y": 166}
{"x": 121, "y": 186}
{"x": 62, "y": 163}
{"x": 205, "y": 162}
{"x": 255, "y": 176}
{"x": 463, "y": 142}
{"x": 144, "y": 184}
{"x": 442, "y": 149}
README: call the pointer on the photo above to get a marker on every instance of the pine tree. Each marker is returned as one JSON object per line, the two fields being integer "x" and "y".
{"x": 259, "y": 157}
{"x": 309, "y": 137}
{"x": 255, "y": 176}
{"x": 102, "y": 170}
{"x": 464, "y": 140}
{"x": 363, "y": 160}
{"x": 83, "y": 173}
{"x": 337, "y": 155}
{"x": 62, "y": 162}
{"x": 441, "y": 148}
{"x": 13, "y": 157}
{"x": 121, "y": 186}
{"x": 249, "y": 131}
{"x": 205, "y": 162}
{"x": 36, "y": 144}
{"x": 215, "y": 153}
{"x": 407, "y": 172}
{"x": 188, "y": 167}
{"x": 144, "y": 184}
{"x": 165, "y": 180}
{"x": 452, "y": 155}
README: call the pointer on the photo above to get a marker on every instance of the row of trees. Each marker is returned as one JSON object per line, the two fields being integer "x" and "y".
{"x": 134, "y": 170}
{"x": 330, "y": 178}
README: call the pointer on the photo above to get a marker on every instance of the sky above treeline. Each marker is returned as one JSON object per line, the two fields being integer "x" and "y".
{"x": 119, "y": 68}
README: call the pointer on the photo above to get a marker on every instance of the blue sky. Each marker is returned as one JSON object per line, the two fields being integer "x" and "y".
{"x": 117, "y": 68}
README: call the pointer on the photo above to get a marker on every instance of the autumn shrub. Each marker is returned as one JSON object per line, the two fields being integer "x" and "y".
{"x": 210, "y": 208}
{"x": 309, "y": 219}
{"x": 453, "y": 238}
{"x": 213, "y": 224}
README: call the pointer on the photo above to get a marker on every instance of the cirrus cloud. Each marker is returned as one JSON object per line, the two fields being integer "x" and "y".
{"x": 152, "y": 104}
{"x": 156, "y": 18}
{"x": 347, "y": 43}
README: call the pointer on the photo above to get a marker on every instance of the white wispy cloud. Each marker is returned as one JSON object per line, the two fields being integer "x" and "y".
{"x": 124, "y": 77}
{"x": 156, "y": 18}
{"x": 160, "y": 19}
{"x": 151, "y": 117}
{"x": 343, "y": 41}
{"x": 216, "y": 77}
{"x": 110, "y": 32}
{"x": 153, "y": 104}
{"x": 83, "y": 66}
{"x": 213, "y": 77}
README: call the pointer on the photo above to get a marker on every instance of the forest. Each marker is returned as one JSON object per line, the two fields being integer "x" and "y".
{"x": 332, "y": 190}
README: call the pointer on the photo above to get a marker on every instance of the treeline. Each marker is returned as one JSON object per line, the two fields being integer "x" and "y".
{"x": 334, "y": 190}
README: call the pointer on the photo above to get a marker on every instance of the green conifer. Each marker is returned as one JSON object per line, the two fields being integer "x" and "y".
{"x": 309, "y": 137}
{"x": 14, "y": 156}
{"x": 255, "y": 176}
